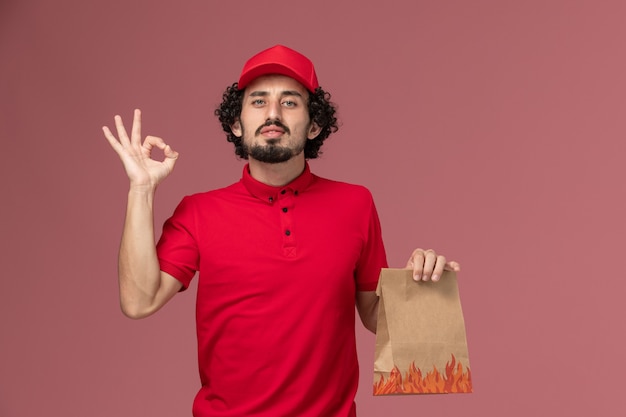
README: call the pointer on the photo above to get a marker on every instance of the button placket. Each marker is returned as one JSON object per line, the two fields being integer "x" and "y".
{"x": 286, "y": 203}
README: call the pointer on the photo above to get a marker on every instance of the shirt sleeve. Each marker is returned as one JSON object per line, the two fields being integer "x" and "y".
{"x": 373, "y": 256}
{"x": 177, "y": 249}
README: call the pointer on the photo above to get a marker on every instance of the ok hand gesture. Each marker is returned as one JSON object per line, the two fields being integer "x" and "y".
{"x": 143, "y": 171}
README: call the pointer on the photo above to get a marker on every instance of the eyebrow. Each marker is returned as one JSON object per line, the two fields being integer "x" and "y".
{"x": 282, "y": 94}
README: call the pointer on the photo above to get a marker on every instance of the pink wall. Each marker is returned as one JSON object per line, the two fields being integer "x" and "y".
{"x": 492, "y": 131}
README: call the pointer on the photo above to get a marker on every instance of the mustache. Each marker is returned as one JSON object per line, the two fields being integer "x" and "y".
{"x": 268, "y": 123}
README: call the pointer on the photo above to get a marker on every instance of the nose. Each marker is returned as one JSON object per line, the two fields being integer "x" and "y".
{"x": 274, "y": 110}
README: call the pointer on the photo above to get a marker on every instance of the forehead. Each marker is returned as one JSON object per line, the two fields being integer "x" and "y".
{"x": 275, "y": 83}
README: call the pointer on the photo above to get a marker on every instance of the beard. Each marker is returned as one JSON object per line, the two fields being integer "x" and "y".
{"x": 272, "y": 152}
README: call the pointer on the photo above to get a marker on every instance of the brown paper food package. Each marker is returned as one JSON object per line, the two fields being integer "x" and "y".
{"x": 421, "y": 347}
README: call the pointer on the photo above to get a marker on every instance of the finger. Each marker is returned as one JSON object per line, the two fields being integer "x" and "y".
{"x": 115, "y": 144}
{"x": 121, "y": 131}
{"x": 430, "y": 259}
{"x": 135, "y": 135}
{"x": 170, "y": 154}
{"x": 440, "y": 264}
{"x": 417, "y": 263}
{"x": 152, "y": 141}
{"x": 171, "y": 157}
{"x": 452, "y": 266}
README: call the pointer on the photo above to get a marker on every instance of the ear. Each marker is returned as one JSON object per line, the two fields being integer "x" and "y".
{"x": 314, "y": 130}
{"x": 236, "y": 128}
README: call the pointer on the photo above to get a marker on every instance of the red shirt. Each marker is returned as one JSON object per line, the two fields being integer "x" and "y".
{"x": 278, "y": 270}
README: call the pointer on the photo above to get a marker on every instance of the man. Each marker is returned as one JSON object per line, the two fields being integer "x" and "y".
{"x": 282, "y": 255}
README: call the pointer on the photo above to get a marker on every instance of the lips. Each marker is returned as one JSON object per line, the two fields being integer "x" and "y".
{"x": 272, "y": 130}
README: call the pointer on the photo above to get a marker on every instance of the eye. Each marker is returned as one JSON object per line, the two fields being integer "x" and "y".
{"x": 289, "y": 103}
{"x": 258, "y": 102}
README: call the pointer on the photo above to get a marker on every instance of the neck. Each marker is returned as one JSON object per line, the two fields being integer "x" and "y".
{"x": 277, "y": 175}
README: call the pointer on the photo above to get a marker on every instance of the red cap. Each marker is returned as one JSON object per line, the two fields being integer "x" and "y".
{"x": 280, "y": 60}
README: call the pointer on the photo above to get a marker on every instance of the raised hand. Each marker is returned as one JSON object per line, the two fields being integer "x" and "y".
{"x": 142, "y": 170}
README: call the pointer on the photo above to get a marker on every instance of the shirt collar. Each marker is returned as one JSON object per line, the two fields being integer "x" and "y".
{"x": 269, "y": 193}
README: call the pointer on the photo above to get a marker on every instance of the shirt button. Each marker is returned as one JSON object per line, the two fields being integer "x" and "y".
{"x": 295, "y": 192}
{"x": 271, "y": 199}
{"x": 284, "y": 209}
{"x": 288, "y": 232}
{"x": 283, "y": 192}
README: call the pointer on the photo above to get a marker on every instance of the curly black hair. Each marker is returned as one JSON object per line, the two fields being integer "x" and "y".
{"x": 321, "y": 111}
